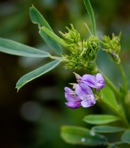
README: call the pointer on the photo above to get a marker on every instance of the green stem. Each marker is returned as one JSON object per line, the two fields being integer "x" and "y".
{"x": 55, "y": 57}
{"x": 91, "y": 14}
{"x": 122, "y": 115}
{"x": 125, "y": 88}
{"x": 120, "y": 112}
{"x": 112, "y": 86}
{"x": 123, "y": 77}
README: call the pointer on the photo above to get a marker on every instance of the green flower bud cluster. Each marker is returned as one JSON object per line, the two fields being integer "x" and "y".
{"x": 82, "y": 54}
{"x": 72, "y": 38}
{"x": 112, "y": 46}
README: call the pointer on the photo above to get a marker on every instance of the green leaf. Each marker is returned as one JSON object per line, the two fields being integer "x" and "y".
{"x": 126, "y": 137}
{"x": 100, "y": 119}
{"x": 53, "y": 36}
{"x": 82, "y": 136}
{"x": 107, "y": 129}
{"x": 37, "y": 18}
{"x": 36, "y": 73}
{"x": 108, "y": 98}
{"x": 15, "y": 48}
{"x": 91, "y": 15}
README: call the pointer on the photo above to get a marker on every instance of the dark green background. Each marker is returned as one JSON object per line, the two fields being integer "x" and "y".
{"x": 32, "y": 117}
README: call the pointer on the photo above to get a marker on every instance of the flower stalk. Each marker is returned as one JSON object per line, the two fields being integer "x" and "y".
{"x": 123, "y": 77}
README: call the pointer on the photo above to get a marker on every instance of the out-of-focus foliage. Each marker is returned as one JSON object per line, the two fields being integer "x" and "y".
{"x": 33, "y": 117}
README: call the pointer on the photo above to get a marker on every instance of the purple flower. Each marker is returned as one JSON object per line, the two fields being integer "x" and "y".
{"x": 96, "y": 82}
{"x": 82, "y": 96}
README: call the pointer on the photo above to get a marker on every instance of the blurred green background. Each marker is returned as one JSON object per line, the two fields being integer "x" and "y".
{"x": 32, "y": 117}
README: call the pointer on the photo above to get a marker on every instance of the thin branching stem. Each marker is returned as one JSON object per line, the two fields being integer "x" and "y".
{"x": 123, "y": 77}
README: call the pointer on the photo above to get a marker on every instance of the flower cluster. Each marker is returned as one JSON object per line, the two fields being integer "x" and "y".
{"x": 82, "y": 94}
{"x": 84, "y": 51}
{"x": 112, "y": 46}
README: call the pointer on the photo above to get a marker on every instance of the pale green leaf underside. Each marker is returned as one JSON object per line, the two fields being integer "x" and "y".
{"x": 50, "y": 42}
{"x": 36, "y": 73}
{"x": 15, "y": 48}
{"x": 37, "y": 18}
{"x": 82, "y": 136}
{"x": 126, "y": 137}
{"x": 107, "y": 129}
{"x": 100, "y": 119}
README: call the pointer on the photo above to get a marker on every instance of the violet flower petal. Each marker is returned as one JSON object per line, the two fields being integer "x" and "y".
{"x": 96, "y": 82}
{"x": 72, "y": 98}
{"x": 83, "y": 90}
{"x": 70, "y": 95}
{"x": 73, "y": 105}
{"x": 88, "y": 102}
{"x": 89, "y": 80}
{"x": 85, "y": 94}
{"x": 100, "y": 81}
